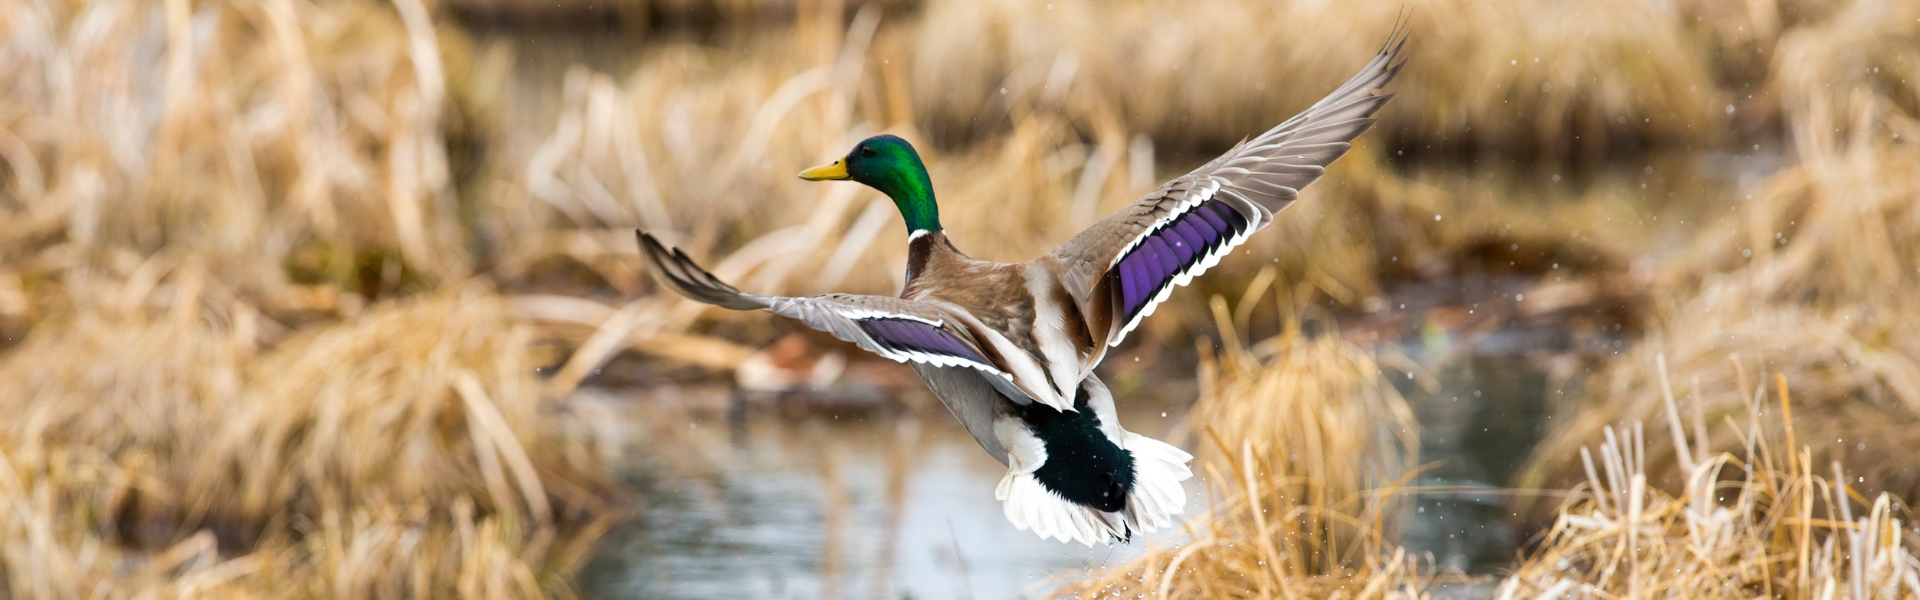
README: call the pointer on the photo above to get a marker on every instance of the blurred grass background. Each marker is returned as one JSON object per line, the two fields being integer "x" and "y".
{"x": 293, "y": 293}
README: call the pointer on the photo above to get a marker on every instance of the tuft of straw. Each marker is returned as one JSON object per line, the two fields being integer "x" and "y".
{"x": 406, "y": 452}
{"x": 1812, "y": 278}
{"x": 1200, "y": 75}
{"x": 1762, "y": 521}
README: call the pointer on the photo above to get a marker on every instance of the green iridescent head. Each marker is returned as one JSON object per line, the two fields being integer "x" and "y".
{"x": 889, "y": 164}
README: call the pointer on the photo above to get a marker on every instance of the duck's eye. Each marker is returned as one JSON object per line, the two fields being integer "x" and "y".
{"x": 868, "y": 151}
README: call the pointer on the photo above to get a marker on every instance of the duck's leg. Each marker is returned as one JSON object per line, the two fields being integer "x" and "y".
{"x": 1077, "y": 476}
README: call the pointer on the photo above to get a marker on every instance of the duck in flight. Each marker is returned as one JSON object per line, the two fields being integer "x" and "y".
{"x": 1010, "y": 348}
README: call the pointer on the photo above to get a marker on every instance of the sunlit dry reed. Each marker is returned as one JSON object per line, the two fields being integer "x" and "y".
{"x": 1812, "y": 277}
{"x": 280, "y": 140}
{"x": 1761, "y": 520}
{"x": 1507, "y": 75}
{"x": 404, "y": 450}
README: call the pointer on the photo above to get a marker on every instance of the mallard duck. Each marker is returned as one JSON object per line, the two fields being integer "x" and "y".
{"x": 1010, "y": 348}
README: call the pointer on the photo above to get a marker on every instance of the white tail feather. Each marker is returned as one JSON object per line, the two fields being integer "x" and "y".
{"x": 1158, "y": 469}
{"x": 1029, "y": 506}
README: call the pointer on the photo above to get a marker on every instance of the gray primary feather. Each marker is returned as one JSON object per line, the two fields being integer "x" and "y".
{"x": 826, "y": 312}
{"x": 1272, "y": 169}
{"x": 672, "y": 268}
{"x": 829, "y": 313}
{"x": 1257, "y": 178}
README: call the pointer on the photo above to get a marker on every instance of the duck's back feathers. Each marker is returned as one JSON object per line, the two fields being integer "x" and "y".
{"x": 1122, "y": 267}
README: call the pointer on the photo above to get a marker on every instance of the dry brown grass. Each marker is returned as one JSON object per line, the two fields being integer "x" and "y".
{"x": 1857, "y": 58}
{"x": 1299, "y": 433}
{"x": 1812, "y": 277}
{"x": 1207, "y": 74}
{"x": 201, "y": 200}
{"x": 642, "y": 15}
{"x": 1761, "y": 521}
{"x": 405, "y": 451}
{"x": 1834, "y": 232}
{"x": 282, "y": 142}
{"x": 1758, "y": 520}
{"x": 1811, "y": 273}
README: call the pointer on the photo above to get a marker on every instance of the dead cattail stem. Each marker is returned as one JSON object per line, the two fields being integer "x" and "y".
{"x": 609, "y": 337}
{"x": 492, "y": 427}
{"x": 1684, "y": 453}
{"x": 1786, "y": 419}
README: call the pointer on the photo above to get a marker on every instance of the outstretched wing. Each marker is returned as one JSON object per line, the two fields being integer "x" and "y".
{"x": 895, "y": 328}
{"x": 1122, "y": 267}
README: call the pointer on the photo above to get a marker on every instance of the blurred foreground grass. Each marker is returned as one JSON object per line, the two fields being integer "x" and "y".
{"x": 276, "y": 275}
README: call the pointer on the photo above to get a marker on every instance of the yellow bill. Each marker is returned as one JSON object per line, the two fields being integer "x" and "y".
{"x": 833, "y": 170}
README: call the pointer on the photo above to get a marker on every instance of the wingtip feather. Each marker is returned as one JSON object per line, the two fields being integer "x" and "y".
{"x": 1402, "y": 31}
{"x": 674, "y": 269}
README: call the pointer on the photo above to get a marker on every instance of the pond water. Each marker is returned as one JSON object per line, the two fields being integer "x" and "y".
{"x": 876, "y": 505}
{"x": 891, "y": 503}
{"x": 852, "y": 507}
